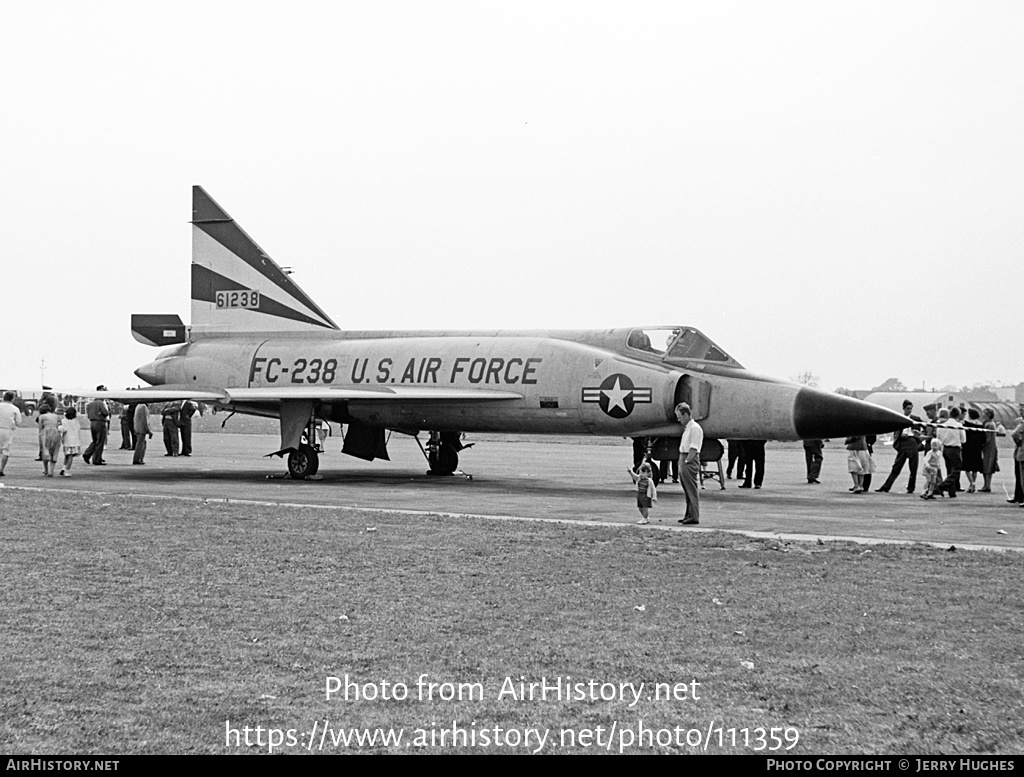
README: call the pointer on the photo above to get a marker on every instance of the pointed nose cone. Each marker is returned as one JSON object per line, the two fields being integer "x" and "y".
{"x": 151, "y": 373}
{"x": 818, "y": 414}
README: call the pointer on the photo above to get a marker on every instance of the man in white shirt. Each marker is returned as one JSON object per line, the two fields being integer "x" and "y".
{"x": 689, "y": 462}
{"x": 952, "y": 436}
{"x": 9, "y": 417}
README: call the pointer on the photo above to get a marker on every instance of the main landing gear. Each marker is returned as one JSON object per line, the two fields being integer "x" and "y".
{"x": 303, "y": 463}
{"x": 442, "y": 453}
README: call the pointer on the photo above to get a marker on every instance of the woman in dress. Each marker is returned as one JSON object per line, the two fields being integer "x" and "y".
{"x": 989, "y": 450}
{"x": 49, "y": 439}
{"x": 972, "y": 448}
{"x": 858, "y": 461}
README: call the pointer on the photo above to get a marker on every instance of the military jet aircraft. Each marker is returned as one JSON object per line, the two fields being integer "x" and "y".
{"x": 259, "y": 344}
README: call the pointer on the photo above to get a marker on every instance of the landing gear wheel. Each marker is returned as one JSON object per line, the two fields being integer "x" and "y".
{"x": 303, "y": 463}
{"x": 443, "y": 461}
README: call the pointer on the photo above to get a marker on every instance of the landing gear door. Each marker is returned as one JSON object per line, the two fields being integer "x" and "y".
{"x": 697, "y": 394}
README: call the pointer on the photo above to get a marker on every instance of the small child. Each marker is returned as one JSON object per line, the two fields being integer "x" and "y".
{"x": 932, "y": 470}
{"x": 646, "y": 494}
{"x": 70, "y": 434}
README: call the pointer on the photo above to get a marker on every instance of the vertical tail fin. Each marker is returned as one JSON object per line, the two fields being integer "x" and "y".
{"x": 236, "y": 287}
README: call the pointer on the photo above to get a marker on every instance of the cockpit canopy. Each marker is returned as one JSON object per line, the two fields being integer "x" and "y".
{"x": 678, "y": 343}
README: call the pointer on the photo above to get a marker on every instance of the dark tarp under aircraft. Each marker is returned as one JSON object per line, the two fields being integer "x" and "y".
{"x": 259, "y": 344}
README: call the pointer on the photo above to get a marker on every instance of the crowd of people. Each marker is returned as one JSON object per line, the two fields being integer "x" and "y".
{"x": 60, "y": 435}
{"x": 955, "y": 443}
{"x": 954, "y": 447}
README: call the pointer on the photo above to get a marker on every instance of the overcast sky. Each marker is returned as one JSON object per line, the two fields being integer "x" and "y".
{"x": 827, "y": 186}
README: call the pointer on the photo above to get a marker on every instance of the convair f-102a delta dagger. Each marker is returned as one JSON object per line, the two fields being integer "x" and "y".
{"x": 259, "y": 344}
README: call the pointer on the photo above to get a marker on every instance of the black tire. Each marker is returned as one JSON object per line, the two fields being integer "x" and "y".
{"x": 303, "y": 463}
{"x": 445, "y": 461}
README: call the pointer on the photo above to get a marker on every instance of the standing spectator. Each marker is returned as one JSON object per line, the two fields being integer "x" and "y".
{"x": 9, "y": 417}
{"x": 813, "y": 456}
{"x": 870, "y": 439}
{"x": 188, "y": 409}
{"x": 47, "y": 398}
{"x": 928, "y": 430}
{"x": 907, "y": 443}
{"x": 973, "y": 446}
{"x": 990, "y": 450}
{"x": 858, "y": 461}
{"x": 131, "y": 415}
{"x": 668, "y": 465}
{"x": 735, "y": 457}
{"x": 689, "y": 462}
{"x": 1018, "y": 459}
{"x": 169, "y": 420}
{"x": 742, "y": 458}
{"x": 142, "y": 432}
{"x": 127, "y": 420}
{"x": 952, "y": 436}
{"x": 99, "y": 422}
{"x": 754, "y": 454}
{"x": 49, "y": 438}
{"x": 71, "y": 439}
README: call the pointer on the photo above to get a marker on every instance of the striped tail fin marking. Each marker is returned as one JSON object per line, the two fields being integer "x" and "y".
{"x": 236, "y": 287}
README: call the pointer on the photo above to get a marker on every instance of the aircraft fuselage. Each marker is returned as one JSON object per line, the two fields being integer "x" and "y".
{"x": 568, "y": 382}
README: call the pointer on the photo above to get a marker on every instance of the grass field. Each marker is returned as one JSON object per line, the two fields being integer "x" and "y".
{"x": 142, "y": 626}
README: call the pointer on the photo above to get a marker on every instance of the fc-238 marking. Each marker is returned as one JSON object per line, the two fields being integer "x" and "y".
{"x": 430, "y": 370}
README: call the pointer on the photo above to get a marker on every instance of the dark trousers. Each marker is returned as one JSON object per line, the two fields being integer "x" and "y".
{"x": 755, "y": 461}
{"x": 953, "y": 460}
{"x": 140, "y": 448}
{"x": 127, "y": 442}
{"x": 171, "y": 437}
{"x": 905, "y": 453}
{"x": 186, "y": 438}
{"x": 813, "y": 459}
{"x": 665, "y": 467}
{"x": 735, "y": 447}
{"x": 98, "y": 429}
{"x": 1018, "y": 486}
{"x": 689, "y": 478}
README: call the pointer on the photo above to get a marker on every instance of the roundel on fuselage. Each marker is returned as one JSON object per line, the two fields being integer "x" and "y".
{"x": 617, "y": 395}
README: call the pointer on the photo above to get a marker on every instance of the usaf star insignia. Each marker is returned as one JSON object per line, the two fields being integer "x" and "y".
{"x": 617, "y": 395}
